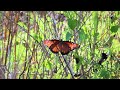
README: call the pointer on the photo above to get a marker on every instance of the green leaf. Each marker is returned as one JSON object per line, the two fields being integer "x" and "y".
{"x": 35, "y": 36}
{"x": 72, "y": 23}
{"x": 95, "y": 19}
{"x": 31, "y": 18}
{"x": 96, "y": 35}
{"x": 49, "y": 65}
{"x": 82, "y": 35}
{"x": 114, "y": 28}
{"x": 68, "y": 36}
{"x": 105, "y": 74}
{"x": 17, "y": 43}
{"x": 22, "y": 25}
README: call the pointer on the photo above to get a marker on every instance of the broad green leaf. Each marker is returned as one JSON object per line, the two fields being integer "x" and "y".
{"x": 105, "y": 74}
{"x": 68, "y": 36}
{"x": 37, "y": 37}
{"x": 72, "y": 23}
{"x": 114, "y": 28}
{"x": 82, "y": 35}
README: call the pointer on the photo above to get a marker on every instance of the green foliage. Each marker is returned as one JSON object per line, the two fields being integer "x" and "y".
{"x": 82, "y": 35}
{"x": 49, "y": 65}
{"x": 37, "y": 37}
{"x": 95, "y": 31}
{"x": 95, "y": 19}
{"x": 72, "y": 23}
{"x": 114, "y": 28}
{"x": 68, "y": 36}
{"x": 105, "y": 74}
{"x": 23, "y": 25}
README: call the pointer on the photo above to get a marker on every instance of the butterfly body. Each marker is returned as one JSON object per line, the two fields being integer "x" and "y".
{"x": 60, "y": 46}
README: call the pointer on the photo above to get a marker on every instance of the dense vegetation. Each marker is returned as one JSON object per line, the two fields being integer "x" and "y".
{"x": 24, "y": 56}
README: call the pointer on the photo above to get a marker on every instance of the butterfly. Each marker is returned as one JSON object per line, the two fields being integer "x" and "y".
{"x": 64, "y": 47}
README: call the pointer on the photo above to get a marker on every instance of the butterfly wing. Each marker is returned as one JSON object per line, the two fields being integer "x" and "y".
{"x": 54, "y": 47}
{"x": 48, "y": 42}
{"x": 63, "y": 48}
{"x": 60, "y": 46}
{"x": 52, "y": 44}
{"x": 72, "y": 45}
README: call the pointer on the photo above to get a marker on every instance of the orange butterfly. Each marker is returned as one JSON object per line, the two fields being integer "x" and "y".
{"x": 60, "y": 46}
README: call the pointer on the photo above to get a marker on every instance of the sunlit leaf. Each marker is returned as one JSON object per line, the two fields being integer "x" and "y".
{"x": 37, "y": 37}
{"x": 49, "y": 65}
{"x": 95, "y": 19}
{"x": 22, "y": 25}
